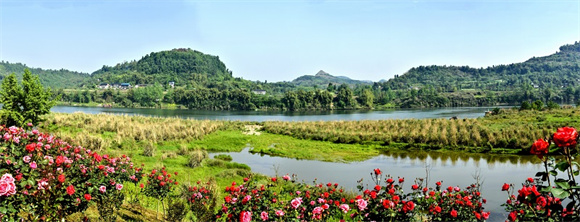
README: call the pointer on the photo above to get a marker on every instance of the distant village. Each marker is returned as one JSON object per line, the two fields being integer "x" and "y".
{"x": 126, "y": 85}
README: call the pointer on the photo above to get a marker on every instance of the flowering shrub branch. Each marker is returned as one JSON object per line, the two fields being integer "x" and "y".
{"x": 557, "y": 201}
{"x": 45, "y": 178}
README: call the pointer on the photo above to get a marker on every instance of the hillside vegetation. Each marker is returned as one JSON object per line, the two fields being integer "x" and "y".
{"x": 55, "y": 79}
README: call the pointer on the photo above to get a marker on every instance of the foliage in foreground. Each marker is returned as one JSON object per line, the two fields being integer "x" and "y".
{"x": 25, "y": 102}
{"x": 44, "y": 178}
{"x": 545, "y": 198}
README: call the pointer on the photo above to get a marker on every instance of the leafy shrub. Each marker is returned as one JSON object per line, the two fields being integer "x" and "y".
{"x": 48, "y": 179}
{"x": 202, "y": 199}
{"x": 545, "y": 199}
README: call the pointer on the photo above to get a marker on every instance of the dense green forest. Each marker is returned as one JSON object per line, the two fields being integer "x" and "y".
{"x": 56, "y": 79}
{"x": 202, "y": 81}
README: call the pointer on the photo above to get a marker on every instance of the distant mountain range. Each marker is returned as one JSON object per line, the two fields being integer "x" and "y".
{"x": 190, "y": 67}
{"x": 559, "y": 70}
{"x": 322, "y": 79}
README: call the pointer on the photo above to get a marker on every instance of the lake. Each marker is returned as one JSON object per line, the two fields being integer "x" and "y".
{"x": 259, "y": 116}
{"x": 453, "y": 169}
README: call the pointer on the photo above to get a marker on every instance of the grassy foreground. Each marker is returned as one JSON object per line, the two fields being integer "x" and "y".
{"x": 181, "y": 145}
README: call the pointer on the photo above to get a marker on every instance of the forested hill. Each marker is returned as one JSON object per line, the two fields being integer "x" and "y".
{"x": 182, "y": 66}
{"x": 55, "y": 79}
{"x": 322, "y": 79}
{"x": 559, "y": 70}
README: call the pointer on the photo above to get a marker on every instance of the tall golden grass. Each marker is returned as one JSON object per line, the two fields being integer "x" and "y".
{"x": 512, "y": 130}
{"x": 99, "y": 131}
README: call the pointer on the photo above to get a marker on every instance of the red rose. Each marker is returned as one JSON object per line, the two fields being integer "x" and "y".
{"x": 390, "y": 180}
{"x": 540, "y": 148}
{"x": 30, "y": 147}
{"x": 415, "y": 186}
{"x": 61, "y": 178}
{"x": 141, "y": 185}
{"x": 378, "y": 187}
{"x": 401, "y": 180}
{"x": 438, "y": 183}
{"x": 513, "y": 216}
{"x": 565, "y": 137}
{"x": 378, "y": 171}
{"x": 409, "y": 206}
{"x": 70, "y": 190}
{"x": 274, "y": 179}
{"x": 505, "y": 187}
{"x": 531, "y": 180}
{"x": 87, "y": 197}
{"x": 453, "y": 213}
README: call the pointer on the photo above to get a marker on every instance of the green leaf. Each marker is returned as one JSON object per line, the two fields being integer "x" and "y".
{"x": 562, "y": 166}
{"x": 563, "y": 184}
{"x": 553, "y": 173}
{"x": 3, "y": 210}
{"x": 560, "y": 193}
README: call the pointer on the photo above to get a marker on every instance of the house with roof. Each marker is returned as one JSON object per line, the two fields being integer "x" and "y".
{"x": 259, "y": 91}
{"x": 104, "y": 86}
{"x": 125, "y": 86}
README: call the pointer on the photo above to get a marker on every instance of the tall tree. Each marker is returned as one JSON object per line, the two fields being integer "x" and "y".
{"x": 25, "y": 103}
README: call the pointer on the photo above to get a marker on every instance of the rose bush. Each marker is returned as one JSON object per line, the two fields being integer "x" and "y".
{"x": 544, "y": 198}
{"x": 45, "y": 178}
{"x": 285, "y": 200}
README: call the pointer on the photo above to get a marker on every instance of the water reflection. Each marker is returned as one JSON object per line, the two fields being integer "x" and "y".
{"x": 453, "y": 168}
{"x": 332, "y": 115}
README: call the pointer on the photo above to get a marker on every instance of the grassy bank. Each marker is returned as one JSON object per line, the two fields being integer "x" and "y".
{"x": 508, "y": 132}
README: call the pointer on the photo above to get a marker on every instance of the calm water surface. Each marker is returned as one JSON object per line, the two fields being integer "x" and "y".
{"x": 460, "y": 112}
{"x": 454, "y": 169}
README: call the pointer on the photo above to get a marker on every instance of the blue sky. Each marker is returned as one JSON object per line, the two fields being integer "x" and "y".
{"x": 281, "y": 40}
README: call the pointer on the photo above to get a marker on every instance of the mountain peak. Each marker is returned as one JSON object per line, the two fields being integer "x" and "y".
{"x": 322, "y": 73}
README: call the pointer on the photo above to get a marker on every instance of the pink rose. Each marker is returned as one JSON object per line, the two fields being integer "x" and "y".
{"x": 362, "y": 204}
{"x": 286, "y": 177}
{"x": 264, "y": 215}
{"x": 33, "y": 165}
{"x": 344, "y": 208}
{"x": 26, "y": 159}
{"x": 7, "y": 186}
{"x": 119, "y": 186}
{"x": 103, "y": 189}
{"x": 296, "y": 202}
{"x": 246, "y": 216}
{"x": 279, "y": 213}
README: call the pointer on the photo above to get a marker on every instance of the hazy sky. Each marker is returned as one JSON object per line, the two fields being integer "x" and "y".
{"x": 281, "y": 40}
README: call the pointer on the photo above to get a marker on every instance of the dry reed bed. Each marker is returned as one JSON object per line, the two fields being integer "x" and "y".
{"x": 433, "y": 132}
{"x": 99, "y": 131}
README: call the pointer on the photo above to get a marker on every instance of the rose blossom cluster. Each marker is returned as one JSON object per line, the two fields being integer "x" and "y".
{"x": 38, "y": 169}
{"x": 542, "y": 198}
{"x": 323, "y": 202}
